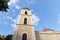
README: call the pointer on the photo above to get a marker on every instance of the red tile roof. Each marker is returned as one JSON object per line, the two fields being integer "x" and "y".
{"x": 45, "y": 29}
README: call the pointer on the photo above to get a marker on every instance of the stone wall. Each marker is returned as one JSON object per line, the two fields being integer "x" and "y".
{"x": 47, "y": 35}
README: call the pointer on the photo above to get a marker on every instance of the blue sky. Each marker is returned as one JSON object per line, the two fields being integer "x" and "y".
{"x": 47, "y": 13}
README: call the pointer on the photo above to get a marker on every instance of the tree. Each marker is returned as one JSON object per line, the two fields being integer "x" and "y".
{"x": 4, "y": 5}
{"x": 9, "y": 37}
{"x": 1, "y": 38}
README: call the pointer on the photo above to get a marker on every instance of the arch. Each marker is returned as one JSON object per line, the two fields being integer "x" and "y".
{"x": 25, "y": 21}
{"x": 26, "y": 12}
{"x": 24, "y": 36}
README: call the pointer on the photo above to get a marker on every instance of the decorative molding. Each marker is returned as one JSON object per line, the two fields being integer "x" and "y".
{"x": 25, "y": 25}
{"x": 25, "y": 15}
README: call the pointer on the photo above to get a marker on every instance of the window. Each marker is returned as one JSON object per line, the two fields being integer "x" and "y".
{"x": 26, "y": 12}
{"x": 24, "y": 36}
{"x": 25, "y": 21}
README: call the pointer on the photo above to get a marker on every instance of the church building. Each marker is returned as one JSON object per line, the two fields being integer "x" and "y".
{"x": 25, "y": 29}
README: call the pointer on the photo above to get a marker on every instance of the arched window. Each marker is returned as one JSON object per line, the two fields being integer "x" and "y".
{"x": 25, "y": 21}
{"x": 26, "y": 12}
{"x": 24, "y": 36}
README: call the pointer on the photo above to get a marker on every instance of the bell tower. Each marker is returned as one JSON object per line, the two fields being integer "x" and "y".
{"x": 24, "y": 27}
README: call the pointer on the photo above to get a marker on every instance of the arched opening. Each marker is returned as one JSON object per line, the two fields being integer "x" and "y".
{"x": 25, "y": 21}
{"x": 24, "y": 36}
{"x": 26, "y": 12}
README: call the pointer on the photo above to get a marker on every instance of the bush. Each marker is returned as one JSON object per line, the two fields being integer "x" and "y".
{"x": 1, "y": 38}
{"x": 9, "y": 37}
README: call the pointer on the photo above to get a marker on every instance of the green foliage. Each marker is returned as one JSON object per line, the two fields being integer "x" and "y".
{"x": 9, "y": 37}
{"x": 1, "y": 38}
{"x": 5, "y": 1}
{"x": 4, "y": 5}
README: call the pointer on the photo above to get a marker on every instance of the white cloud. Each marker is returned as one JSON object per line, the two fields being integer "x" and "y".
{"x": 8, "y": 17}
{"x": 13, "y": 25}
{"x": 13, "y": 20}
{"x": 17, "y": 7}
{"x": 35, "y": 19}
{"x": 30, "y": 1}
{"x": 58, "y": 22}
{"x": 13, "y": 2}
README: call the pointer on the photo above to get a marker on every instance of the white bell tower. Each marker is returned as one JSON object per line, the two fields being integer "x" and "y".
{"x": 25, "y": 28}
